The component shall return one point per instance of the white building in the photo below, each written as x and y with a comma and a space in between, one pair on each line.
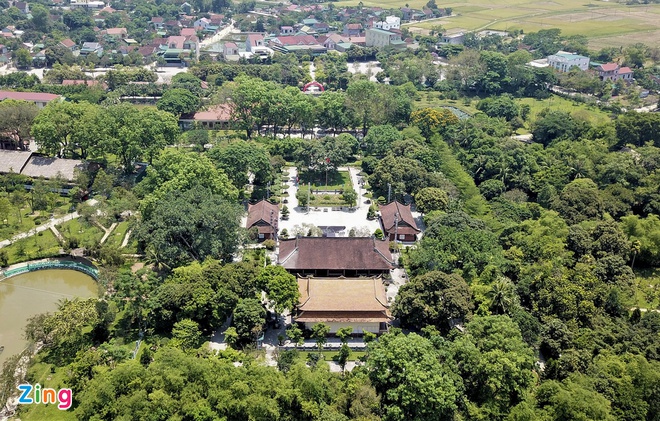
391, 22
564, 61
381, 38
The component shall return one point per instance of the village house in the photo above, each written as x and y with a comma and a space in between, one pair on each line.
286, 30
115, 33
291, 44
335, 256
565, 61
40, 99
158, 22
33, 165
264, 216
253, 41
68, 44
91, 48
230, 49
397, 222
380, 38
352, 29
217, 117
612, 72
359, 303
390, 22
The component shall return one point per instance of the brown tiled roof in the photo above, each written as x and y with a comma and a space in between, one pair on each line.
261, 211
342, 294
388, 212
220, 113
624, 70
350, 253
68, 43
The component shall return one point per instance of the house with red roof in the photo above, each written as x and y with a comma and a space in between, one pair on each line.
39, 98
612, 72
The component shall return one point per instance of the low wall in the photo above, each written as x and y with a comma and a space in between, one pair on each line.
51, 264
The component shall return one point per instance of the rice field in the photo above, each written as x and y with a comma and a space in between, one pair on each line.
605, 23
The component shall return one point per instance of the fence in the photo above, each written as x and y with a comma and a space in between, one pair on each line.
53, 264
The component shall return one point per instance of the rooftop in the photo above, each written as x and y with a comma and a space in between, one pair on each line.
345, 253
391, 210
42, 166
13, 161
342, 294
28, 96
263, 211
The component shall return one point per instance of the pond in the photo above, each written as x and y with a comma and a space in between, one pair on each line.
26, 295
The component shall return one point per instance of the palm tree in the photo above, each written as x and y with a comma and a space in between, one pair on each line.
503, 297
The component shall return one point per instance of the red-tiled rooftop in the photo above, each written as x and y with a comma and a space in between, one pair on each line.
217, 113
28, 96
608, 67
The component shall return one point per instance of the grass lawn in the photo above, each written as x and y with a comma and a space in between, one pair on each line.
576, 109
117, 235
647, 294
336, 181
81, 230
43, 244
431, 99
40, 372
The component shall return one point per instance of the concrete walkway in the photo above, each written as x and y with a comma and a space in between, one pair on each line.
44, 227
39, 228
124, 243
108, 232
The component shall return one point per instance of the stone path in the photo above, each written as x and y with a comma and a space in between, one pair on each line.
46, 226
124, 243
108, 231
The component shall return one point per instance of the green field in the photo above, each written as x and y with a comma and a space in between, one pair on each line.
605, 23
44, 244
578, 110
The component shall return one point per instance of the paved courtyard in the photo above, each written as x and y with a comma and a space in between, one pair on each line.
355, 218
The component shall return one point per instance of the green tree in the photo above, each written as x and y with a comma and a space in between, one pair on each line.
186, 335
343, 356
295, 334
178, 101
16, 117
432, 299
580, 200
190, 225
431, 199
239, 159
344, 334
175, 169
350, 197
249, 317
23, 58
496, 365
379, 139
362, 99
320, 333
281, 287
414, 384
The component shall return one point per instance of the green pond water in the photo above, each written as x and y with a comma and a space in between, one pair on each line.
23, 296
